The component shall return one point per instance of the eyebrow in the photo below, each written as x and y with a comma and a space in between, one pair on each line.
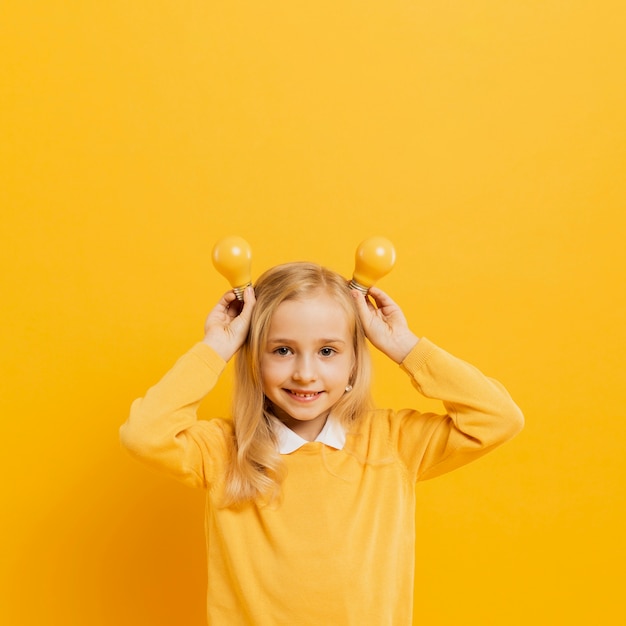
288, 341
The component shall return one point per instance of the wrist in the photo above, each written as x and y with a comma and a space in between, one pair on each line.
404, 347
219, 348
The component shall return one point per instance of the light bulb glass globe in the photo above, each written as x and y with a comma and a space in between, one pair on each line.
232, 258
374, 258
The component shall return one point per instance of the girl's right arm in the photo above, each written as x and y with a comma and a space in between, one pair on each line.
162, 429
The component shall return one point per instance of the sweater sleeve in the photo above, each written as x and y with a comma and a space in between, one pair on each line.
162, 429
479, 414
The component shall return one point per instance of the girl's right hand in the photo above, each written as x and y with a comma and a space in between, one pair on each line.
227, 325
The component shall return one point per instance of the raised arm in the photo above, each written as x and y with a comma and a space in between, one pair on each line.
162, 429
479, 413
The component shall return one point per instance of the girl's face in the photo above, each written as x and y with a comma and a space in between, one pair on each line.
307, 361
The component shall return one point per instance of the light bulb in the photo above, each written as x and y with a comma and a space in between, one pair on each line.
232, 258
374, 258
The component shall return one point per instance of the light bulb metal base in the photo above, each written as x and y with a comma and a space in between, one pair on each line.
239, 291
362, 288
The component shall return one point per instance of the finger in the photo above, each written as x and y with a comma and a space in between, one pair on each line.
244, 309
249, 300
364, 307
381, 298
227, 299
248, 295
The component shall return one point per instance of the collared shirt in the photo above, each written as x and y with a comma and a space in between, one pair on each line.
333, 434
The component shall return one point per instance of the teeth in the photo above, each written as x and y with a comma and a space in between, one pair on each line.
304, 395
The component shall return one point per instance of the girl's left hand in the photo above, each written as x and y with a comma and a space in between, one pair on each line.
385, 325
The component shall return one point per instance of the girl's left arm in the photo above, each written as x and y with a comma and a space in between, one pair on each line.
480, 414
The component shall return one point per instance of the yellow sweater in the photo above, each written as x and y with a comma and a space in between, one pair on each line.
339, 549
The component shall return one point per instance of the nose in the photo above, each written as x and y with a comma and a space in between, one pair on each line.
304, 370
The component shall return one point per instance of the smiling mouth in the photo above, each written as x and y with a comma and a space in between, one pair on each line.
303, 395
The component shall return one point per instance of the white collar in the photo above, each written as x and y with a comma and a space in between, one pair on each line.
333, 434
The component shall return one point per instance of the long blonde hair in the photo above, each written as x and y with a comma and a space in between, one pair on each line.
256, 469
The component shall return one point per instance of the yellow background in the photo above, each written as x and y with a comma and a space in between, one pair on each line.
485, 138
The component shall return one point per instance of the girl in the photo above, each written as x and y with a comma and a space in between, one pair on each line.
310, 491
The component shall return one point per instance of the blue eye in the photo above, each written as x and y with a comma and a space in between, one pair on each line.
282, 351
327, 352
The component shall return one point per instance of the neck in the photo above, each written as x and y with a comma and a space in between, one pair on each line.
309, 429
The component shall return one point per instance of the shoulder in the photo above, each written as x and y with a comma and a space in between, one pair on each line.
214, 440
214, 432
375, 434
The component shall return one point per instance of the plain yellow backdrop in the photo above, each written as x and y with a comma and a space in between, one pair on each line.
486, 139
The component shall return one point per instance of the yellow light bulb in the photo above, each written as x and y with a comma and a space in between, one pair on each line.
232, 258
374, 258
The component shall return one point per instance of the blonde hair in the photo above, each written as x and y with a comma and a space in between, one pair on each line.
256, 469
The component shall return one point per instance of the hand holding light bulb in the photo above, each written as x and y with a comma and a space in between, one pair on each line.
383, 320
374, 258
232, 258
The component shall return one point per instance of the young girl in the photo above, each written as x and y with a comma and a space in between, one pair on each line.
310, 516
